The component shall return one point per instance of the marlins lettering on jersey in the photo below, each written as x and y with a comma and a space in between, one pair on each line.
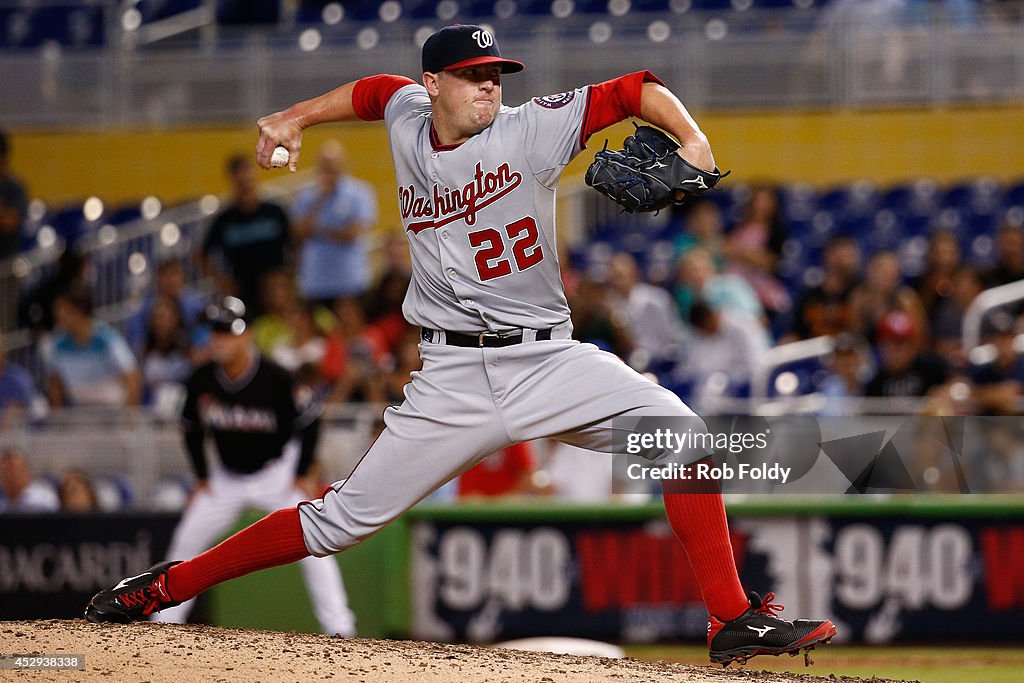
235, 418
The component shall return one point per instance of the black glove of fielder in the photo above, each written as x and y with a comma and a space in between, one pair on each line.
647, 174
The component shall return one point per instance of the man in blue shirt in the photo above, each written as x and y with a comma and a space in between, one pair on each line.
332, 220
89, 362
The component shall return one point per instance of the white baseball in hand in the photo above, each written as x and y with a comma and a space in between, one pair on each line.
279, 158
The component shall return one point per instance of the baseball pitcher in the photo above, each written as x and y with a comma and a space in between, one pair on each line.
476, 190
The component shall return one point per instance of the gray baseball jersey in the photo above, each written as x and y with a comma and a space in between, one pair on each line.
480, 220
480, 217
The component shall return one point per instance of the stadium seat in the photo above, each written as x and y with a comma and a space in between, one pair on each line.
69, 223
1014, 196
650, 5
153, 10
124, 214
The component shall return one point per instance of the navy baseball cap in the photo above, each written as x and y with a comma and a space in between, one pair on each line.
227, 315
462, 45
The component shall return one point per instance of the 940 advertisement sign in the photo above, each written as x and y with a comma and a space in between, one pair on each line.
880, 579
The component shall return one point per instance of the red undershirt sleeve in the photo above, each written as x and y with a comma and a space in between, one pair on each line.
613, 101
371, 95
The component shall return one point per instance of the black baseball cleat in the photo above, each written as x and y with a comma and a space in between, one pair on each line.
759, 632
132, 599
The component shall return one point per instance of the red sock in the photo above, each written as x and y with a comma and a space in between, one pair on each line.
696, 514
274, 540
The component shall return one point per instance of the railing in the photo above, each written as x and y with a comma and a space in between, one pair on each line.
797, 58
974, 318
785, 354
147, 452
123, 257
143, 452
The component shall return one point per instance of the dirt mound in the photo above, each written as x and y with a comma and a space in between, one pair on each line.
164, 652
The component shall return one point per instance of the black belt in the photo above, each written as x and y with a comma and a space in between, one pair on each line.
485, 340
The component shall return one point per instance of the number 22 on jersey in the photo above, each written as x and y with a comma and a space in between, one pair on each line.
491, 261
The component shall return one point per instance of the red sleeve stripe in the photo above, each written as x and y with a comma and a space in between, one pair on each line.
371, 95
584, 129
613, 101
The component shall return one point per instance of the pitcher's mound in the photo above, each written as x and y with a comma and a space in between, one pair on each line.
169, 653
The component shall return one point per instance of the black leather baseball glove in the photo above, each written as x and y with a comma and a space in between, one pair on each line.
647, 174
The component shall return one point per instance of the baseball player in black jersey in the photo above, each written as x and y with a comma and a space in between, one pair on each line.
266, 437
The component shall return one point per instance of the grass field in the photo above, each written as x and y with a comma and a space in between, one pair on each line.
937, 664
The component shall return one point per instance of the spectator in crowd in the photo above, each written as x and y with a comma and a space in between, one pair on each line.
754, 246
935, 284
309, 349
505, 473
74, 270
904, 369
704, 229
13, 206
825, 309
883, 292
170, 282
251, 236
89, 362
648, 312
77, 493
333, 219
594, 321
385, 298
271, 328
722, 343
698, 278
407, 361
22, 492
999, 384
166, 357
849, 367
1009, 265
363, 355
947, 317
18, 394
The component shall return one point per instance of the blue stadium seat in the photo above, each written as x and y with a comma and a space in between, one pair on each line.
885, 231
153, 10
535, 7
794, 263
480, 9
1014, 196
896, 198
69, 223
13, 24
362, 10
22, 28
807, 373
650, 5
597, 6
125, 213
420, 9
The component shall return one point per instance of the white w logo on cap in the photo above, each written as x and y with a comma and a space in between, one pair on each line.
483, 38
